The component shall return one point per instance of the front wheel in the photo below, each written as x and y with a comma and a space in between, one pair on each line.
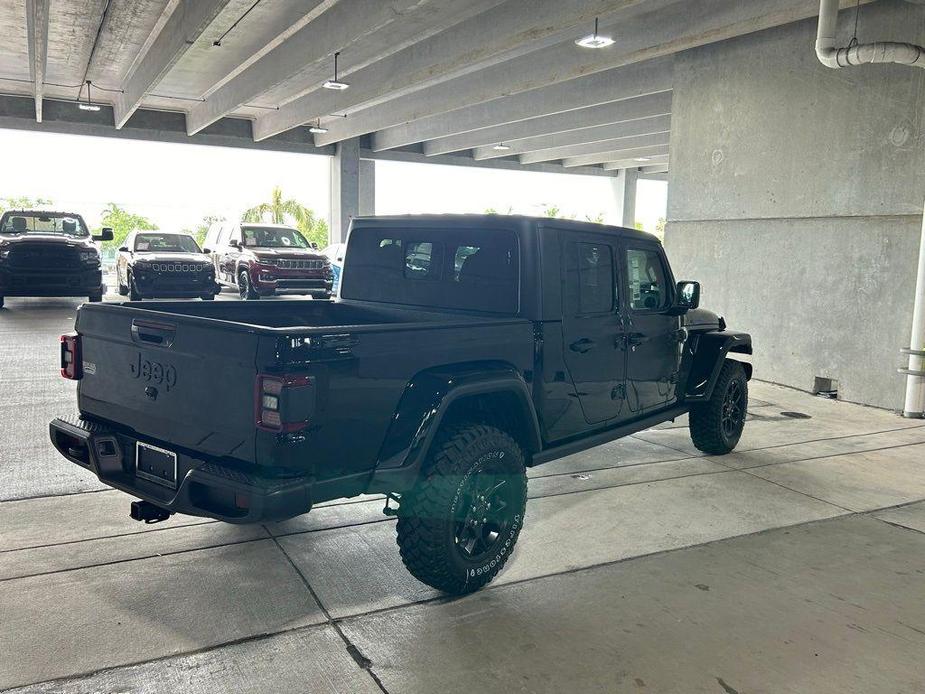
716, 425
95, 298
245, 289
458, 525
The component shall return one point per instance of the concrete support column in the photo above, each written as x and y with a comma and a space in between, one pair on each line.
367, 187
345, 188
624, 190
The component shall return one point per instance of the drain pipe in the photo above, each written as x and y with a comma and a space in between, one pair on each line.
915, 372
905, 54
859, 53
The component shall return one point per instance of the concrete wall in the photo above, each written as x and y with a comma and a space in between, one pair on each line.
796, 195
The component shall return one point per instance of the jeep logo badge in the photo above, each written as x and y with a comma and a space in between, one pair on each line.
153, 372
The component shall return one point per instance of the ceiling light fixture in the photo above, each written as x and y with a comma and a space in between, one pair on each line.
594, 40
501, 147
334, 83
316, 129
88, 105
642, 159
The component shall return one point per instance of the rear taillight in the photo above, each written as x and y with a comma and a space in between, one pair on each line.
70, 357
283, 403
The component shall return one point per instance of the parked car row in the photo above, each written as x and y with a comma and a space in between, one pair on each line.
53, 254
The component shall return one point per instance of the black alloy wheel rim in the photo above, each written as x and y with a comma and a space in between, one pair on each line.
733, 410
485, 516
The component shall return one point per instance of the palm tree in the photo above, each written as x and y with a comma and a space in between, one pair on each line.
287, 211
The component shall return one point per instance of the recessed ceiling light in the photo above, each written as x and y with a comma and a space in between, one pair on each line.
594, 40
501, 147
317, 130
335, 83
642, 159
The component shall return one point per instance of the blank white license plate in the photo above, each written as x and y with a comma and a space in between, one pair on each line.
156, 464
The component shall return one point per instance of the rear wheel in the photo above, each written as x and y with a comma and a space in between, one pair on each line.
245, 289
716, 425
458, 525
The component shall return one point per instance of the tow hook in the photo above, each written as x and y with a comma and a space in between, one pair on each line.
148, 512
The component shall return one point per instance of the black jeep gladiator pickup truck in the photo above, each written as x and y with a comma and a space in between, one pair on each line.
462, 350
49, 254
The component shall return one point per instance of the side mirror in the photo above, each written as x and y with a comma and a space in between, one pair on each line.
206, 251
124, 249
104, 235
688, 297
234, 243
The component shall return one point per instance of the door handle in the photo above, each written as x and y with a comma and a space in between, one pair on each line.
581, 346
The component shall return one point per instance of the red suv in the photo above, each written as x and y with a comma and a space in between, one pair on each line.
267, 259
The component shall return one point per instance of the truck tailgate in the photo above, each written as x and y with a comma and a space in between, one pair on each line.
180, 379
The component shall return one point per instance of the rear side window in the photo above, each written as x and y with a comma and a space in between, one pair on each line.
589, 281
473, 269
645, 274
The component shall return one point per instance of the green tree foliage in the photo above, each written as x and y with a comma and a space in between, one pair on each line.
280, 210
660, 227
123, 223
22, 203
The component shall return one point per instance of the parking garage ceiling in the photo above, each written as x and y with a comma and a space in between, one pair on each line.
493, 81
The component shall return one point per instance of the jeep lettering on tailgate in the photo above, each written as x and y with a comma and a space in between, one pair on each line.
154, 372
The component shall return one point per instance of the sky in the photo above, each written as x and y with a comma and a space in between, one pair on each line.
176, 185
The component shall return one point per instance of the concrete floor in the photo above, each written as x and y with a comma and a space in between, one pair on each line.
795, 564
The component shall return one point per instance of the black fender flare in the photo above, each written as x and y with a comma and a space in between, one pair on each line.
709, 351
424, 404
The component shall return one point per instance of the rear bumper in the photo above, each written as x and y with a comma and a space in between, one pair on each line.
204, 488
64, 283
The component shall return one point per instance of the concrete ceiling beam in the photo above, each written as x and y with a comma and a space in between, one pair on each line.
617, 89
365, 31
625, 144
645, 153
632, 163
37, 29
499, 34
660, 125
610, 113
660, 32
187, 22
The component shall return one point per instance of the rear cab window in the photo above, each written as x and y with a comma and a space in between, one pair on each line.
590, 285
470, 269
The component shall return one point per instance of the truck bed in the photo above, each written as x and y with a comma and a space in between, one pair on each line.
185, 372
298, 315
